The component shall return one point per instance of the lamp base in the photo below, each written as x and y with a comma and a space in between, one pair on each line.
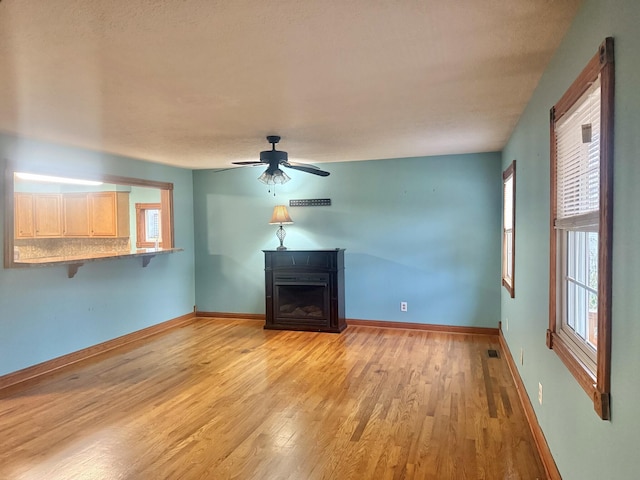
280, 233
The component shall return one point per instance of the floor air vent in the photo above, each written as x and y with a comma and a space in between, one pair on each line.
493, 353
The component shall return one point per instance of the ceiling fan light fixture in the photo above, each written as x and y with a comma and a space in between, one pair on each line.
274, 177
274, 158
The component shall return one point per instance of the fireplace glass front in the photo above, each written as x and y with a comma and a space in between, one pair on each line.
301, 300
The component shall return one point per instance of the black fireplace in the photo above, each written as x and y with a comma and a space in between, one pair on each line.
305, 290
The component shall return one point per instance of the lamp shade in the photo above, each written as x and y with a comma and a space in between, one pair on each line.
280, 216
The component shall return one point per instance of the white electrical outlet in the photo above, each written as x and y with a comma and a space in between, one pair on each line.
403, 306
540, 393
522, 356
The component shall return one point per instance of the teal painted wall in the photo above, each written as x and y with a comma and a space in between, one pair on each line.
406, 225
421, 230
584, 446
44, 314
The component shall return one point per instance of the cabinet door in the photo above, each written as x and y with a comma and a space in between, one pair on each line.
48, 215
122, 214
102, 214
75, 215
24, 215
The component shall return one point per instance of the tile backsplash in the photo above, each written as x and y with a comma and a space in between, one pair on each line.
31, 248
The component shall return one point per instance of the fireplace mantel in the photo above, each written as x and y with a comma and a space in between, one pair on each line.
304, 290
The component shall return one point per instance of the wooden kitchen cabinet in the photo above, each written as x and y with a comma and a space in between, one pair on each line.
75, 214
38, 215
24, 224
48, 214
109, 214
103, 216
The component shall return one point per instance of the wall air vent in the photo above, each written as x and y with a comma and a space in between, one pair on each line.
310, 202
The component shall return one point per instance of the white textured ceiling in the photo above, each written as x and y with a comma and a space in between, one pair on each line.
199, 83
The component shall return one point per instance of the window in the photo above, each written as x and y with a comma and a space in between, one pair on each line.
509, 228
148, 228
581, 227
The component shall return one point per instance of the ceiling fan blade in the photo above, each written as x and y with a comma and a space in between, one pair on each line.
274, 158
254, 162
307, 169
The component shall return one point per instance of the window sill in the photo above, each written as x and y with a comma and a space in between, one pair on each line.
508, 287
581, 373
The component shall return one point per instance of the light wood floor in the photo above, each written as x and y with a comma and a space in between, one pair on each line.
223, 399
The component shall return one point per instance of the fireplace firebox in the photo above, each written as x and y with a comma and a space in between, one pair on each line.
304, 290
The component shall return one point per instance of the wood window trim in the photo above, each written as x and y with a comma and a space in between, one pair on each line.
510, 285
141, 224
597, 386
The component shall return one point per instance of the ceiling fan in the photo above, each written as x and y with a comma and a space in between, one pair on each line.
274, 158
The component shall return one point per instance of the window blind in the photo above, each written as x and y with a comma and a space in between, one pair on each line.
578, 162
152, 223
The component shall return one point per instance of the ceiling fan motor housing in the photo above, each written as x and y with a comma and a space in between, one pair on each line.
274, 158
271, 156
